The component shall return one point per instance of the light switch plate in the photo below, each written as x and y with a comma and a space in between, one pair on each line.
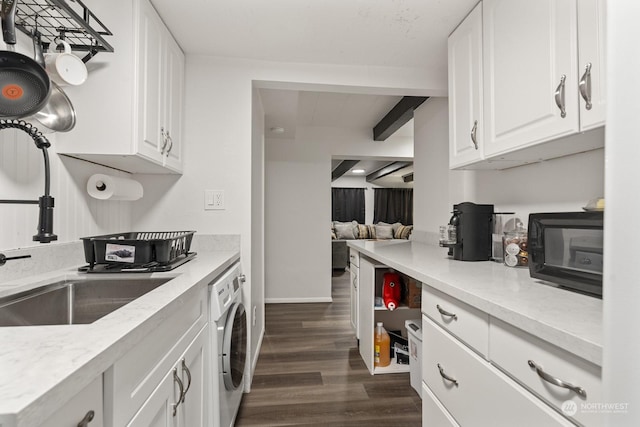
213, 200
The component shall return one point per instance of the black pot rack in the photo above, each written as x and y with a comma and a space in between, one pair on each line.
70, 20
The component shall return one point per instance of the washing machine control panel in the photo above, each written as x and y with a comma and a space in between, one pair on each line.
223, 290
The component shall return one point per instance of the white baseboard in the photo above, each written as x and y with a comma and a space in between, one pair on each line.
296, 300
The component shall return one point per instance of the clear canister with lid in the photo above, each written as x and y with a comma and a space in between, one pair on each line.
514, 243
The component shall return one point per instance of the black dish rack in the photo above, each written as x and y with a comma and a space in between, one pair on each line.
137, 248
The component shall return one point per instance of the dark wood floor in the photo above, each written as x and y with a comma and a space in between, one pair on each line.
309, 372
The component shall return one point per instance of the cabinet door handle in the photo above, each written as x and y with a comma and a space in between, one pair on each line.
186, 369
585, 86
447, 377
164, 140
560, 97
556, 381
474, 131
170, 142
87, 419
177, 379
446, 313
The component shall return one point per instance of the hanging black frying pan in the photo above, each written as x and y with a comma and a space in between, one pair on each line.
24, 84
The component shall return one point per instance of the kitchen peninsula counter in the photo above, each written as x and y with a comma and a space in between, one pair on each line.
43, 366
566, 319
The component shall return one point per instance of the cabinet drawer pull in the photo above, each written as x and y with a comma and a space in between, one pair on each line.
585, 86
446, 313
177, 379
474, 132
186, 369
555, 381
447, 377
87, 419
560, 97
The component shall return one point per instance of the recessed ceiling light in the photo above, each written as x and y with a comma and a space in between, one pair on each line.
277, 130
357, 171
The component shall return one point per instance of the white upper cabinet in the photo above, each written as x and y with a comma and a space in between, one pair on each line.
540, 83
130, 108
160, 82
530, 72
466, 123
592, 60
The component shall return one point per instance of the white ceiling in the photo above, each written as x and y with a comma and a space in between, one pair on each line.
288, 109
399, 33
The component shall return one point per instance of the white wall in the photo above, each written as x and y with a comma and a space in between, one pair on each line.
75, 214
621, 375
255, 301
298, 206
563, 184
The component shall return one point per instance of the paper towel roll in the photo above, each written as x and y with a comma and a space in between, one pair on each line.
107, 187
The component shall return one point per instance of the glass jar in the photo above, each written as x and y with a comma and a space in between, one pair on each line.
514, 243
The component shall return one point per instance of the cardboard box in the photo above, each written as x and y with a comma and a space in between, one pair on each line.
414, 293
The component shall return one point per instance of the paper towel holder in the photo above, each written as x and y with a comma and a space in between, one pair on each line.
117, 188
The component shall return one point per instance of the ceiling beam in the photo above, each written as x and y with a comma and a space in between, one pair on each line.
342, 168
397, 117
390, 168
408, 177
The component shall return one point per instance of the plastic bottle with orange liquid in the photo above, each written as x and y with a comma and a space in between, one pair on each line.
382, 347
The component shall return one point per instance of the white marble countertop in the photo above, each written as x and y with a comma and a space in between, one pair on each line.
43, 366
566, 319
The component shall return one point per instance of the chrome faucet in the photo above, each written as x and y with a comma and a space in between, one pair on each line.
45, 202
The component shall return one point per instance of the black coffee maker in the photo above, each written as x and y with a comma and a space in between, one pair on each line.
473, 227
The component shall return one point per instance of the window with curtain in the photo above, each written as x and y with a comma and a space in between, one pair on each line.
347, 204
392, 205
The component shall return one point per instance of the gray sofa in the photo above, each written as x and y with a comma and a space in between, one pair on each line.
341, 232
339, 254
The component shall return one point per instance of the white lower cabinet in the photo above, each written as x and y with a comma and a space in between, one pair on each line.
140, 387
467, 323
473, 391
178, 401
85, 406
433, 413
566, 382
354, 312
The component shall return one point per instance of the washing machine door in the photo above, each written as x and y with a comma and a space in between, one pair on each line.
234, 347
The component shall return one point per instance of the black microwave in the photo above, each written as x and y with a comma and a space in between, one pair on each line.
565, 248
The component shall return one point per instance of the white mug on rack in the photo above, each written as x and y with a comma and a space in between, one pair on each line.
64, 67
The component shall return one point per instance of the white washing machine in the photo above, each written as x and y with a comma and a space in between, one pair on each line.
228, 326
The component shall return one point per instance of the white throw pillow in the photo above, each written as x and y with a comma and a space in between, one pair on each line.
384, 231
344, 231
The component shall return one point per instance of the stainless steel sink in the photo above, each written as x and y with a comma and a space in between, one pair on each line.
71, 302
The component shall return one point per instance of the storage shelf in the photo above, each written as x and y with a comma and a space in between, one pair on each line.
393, 368
402, 307
71, 21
